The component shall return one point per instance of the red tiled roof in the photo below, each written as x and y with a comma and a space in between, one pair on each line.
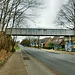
49, 40
58, 40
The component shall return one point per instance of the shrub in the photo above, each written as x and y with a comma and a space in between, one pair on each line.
56, 49
4, 56
16, 48
63, 49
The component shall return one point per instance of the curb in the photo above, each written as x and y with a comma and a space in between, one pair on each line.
24, 63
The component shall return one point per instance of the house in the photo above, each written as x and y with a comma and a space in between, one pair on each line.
44, 42
49, 40
59, 43
34, 43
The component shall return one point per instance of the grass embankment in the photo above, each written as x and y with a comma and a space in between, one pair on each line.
4, 56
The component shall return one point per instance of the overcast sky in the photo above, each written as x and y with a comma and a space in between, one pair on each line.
48, 15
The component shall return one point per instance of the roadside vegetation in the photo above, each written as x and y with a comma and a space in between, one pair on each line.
4, 57
6, 48
16, 47
13, 13
26, 42
50, 45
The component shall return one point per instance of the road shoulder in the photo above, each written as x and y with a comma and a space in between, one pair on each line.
60, 52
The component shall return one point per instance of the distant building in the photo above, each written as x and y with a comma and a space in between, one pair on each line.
44, 42
59, 43
49, 40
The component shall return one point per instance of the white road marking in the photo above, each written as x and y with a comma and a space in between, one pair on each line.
71, 61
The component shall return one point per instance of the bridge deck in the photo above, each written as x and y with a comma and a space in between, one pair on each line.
40, 32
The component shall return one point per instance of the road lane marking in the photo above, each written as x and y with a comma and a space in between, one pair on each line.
71, 61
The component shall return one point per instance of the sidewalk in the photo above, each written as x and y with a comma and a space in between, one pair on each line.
14, 65
60, 52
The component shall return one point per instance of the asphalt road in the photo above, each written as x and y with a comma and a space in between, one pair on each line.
61, 64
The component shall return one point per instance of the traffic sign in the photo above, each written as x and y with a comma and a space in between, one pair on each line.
69, 43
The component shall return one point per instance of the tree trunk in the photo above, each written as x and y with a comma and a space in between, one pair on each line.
5, 15
14, 19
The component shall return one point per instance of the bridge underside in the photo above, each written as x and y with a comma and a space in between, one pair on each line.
39, 35
40, 32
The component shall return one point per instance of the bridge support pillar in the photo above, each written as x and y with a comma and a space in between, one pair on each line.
38, 42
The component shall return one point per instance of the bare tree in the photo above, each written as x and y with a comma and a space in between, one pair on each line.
5, 13
66, 16
26, 7
27, 12
12, 10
